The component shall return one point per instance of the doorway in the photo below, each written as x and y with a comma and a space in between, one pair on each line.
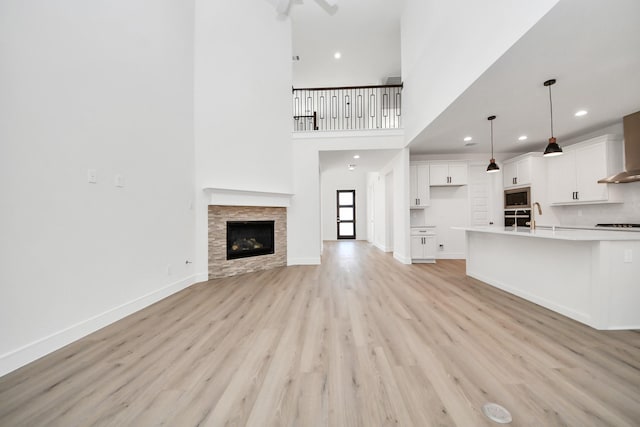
346, 214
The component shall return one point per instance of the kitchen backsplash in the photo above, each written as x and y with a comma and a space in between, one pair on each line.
617, 213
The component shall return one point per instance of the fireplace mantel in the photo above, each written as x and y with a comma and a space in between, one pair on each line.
232, 197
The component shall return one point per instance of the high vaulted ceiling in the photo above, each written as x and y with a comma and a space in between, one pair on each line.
592, 48
365, 32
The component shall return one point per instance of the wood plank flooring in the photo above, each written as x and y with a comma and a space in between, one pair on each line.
359, 341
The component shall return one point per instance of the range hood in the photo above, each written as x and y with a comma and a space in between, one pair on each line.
631, 171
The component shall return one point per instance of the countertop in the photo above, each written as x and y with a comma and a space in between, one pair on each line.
558, 233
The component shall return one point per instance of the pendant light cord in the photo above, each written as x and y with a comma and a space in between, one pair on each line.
551, 110
491, 122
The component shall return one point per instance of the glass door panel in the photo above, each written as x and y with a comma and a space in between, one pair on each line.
346, 214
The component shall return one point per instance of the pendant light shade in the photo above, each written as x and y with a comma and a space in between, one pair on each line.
493, 167
553, 149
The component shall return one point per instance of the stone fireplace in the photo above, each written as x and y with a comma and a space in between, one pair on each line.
248, 242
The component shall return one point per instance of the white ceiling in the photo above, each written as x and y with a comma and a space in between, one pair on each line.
592, 48
369, 161
365, 32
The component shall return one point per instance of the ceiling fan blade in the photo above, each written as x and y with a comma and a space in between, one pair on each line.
329, 6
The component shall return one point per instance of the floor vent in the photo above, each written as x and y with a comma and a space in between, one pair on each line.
496, 413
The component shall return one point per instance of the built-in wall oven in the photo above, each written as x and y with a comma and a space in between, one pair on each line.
517, 207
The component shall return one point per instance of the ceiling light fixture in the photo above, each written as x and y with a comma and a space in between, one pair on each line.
553, 149
522, 138
351, 166
467, 138
581, 113
357, 156
337, 55
493, 167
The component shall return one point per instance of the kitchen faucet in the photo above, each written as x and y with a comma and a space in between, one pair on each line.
532, 223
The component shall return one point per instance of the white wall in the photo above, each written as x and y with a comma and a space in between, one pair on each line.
91, 85
447, 45
242, 103
396, 215
303, 217
377, 183
343, 179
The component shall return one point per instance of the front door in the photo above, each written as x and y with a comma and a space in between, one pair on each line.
346, 218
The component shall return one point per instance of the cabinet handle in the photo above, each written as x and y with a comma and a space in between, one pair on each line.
577, 197
418, 201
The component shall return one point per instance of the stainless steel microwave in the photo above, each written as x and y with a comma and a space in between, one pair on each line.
517, 198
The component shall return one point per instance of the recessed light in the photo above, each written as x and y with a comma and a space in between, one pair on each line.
357, 156
581, 113
467, 138
337, 55
351, 167
522, 138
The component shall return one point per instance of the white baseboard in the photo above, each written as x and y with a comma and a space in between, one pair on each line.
28, 353
403, 259
382, 247
304, 261
450, 255
201, 277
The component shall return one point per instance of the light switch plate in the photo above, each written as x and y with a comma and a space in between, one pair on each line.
119, 181
628, 255
92, 176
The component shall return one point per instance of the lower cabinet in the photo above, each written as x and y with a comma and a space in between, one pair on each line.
423, 245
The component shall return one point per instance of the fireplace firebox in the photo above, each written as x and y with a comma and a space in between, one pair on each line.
249, 238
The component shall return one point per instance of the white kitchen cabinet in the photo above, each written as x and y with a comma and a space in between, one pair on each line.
419, 185
573, 176
448, 174
423, 245
517, 172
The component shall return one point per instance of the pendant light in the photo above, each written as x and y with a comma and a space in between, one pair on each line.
553, 149
493, 167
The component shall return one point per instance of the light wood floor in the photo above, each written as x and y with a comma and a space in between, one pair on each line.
359, 341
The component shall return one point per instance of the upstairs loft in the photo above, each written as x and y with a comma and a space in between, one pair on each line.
347, 108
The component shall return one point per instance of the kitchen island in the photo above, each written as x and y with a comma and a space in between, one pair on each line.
591, 276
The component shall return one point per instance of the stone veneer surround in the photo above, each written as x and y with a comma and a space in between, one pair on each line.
219, 266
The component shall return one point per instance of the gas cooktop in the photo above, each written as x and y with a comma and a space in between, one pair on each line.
619, 225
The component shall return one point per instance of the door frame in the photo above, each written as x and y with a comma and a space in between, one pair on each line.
338, 220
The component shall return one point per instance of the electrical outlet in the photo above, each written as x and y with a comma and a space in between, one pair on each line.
92, 176
628, 255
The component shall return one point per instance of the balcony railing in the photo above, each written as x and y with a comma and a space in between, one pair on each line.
347, 108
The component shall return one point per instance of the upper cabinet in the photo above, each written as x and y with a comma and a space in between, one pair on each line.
517, 172
443, 174
573, 176
419, 185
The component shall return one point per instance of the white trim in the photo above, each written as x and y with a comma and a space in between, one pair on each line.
201, 277
369, 133
234, 197
303, 261
28, 353
450, 255
402, 259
